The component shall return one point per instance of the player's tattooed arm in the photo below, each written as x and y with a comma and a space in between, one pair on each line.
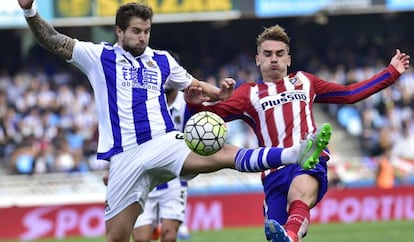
50, 39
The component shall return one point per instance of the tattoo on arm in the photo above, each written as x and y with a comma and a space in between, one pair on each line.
53, 41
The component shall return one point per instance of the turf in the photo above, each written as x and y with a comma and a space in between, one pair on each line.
357, 232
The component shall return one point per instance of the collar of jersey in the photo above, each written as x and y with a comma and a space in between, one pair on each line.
118, 49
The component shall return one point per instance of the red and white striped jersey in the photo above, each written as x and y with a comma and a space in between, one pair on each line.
280, 113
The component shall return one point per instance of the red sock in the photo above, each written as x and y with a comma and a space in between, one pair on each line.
298, 220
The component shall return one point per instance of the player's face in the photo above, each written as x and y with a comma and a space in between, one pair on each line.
136, 37
273, 60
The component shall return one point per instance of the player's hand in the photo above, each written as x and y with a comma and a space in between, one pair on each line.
401, 61
227, 87
25, 4
194, 95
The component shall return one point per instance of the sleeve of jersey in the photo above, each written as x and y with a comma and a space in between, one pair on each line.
85, 55
329, 92
230, 109
179, 78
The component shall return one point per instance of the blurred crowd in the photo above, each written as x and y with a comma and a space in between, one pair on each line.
48, 120
47, 123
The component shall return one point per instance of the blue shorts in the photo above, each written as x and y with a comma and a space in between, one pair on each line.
276, 186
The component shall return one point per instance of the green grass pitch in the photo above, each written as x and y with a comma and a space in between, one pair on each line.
356, 232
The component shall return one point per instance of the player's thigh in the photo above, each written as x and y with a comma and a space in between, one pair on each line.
119, 227
304, 187
166, 156
128, 183
309, 186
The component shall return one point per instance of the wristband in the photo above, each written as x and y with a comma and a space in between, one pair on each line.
28, 13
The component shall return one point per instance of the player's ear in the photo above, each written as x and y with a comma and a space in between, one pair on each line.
257, 60
118, 31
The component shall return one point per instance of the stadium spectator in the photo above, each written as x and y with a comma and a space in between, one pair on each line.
385, 177
23, 158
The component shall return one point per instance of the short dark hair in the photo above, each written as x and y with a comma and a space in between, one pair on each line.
276, 33
129, 10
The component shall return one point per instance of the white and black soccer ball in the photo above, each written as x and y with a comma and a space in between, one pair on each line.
205, 133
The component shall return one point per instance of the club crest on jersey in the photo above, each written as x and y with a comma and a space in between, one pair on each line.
150, 63
295, 81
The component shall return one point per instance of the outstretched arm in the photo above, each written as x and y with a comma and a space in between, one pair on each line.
53, 41
199, 92
328, 92
400, 61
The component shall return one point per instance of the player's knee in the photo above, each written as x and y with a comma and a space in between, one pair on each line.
169, 237
117, 237
141, 240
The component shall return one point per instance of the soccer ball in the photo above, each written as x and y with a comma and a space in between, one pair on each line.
205, 133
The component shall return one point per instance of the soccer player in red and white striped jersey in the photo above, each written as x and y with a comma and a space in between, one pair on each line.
279, 109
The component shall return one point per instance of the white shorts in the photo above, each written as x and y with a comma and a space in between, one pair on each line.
135, 172
165, 203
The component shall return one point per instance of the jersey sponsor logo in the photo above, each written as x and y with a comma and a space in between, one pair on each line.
282, 98
132, 79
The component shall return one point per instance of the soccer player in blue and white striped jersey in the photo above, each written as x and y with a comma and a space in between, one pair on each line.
136, 132
164, 211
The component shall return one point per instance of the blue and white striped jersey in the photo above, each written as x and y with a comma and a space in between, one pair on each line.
129, 93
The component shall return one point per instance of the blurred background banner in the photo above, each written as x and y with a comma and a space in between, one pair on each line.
400, 5
208, 212
101, 12
98, 12
270, 8
278, 8
107, 8
11, 15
